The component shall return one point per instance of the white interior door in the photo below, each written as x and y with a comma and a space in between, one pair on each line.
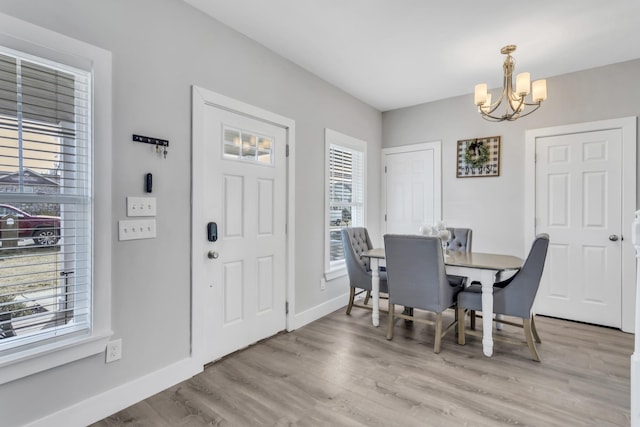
411, 187
578, 203
241, 275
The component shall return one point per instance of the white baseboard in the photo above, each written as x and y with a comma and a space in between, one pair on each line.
635, 390
300, 319
102, 405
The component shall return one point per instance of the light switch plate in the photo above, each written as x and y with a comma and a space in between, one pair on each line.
132, 229
141, 206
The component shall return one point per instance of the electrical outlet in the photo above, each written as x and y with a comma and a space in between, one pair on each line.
114, 351
132, 229
323, 284
141, 206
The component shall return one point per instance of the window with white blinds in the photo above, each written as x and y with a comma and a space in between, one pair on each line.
345, 192
45, 202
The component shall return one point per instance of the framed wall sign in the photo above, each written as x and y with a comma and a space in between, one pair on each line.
478, 157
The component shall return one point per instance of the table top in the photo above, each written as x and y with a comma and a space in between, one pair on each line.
467, 259
483, 260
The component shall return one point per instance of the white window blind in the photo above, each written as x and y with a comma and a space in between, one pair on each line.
45, 202
346, 196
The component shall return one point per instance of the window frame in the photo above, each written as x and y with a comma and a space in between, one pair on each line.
42, 43
335, 269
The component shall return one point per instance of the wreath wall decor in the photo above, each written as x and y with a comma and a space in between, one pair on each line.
478, 157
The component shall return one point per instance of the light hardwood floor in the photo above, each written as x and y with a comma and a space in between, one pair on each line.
341, 371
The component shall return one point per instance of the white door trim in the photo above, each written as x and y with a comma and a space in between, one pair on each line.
629, 140
436, 146
200, 98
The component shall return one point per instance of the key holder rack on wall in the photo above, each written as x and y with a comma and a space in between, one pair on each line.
162, 145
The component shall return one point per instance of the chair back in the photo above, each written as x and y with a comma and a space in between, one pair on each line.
355, 241
460, 239
519, 293
416, 275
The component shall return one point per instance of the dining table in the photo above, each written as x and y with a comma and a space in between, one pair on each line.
476, 266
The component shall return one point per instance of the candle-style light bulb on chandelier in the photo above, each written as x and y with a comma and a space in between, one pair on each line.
515, 104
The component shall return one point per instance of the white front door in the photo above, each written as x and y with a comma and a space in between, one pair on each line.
240, 186
578, 203
411, 187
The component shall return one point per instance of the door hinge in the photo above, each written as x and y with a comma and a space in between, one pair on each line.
385, 169
286, 307
287, 151
385, 217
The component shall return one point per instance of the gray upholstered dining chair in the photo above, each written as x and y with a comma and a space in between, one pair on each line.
512, 297
355, 241
460, 242
460, 239
417, 278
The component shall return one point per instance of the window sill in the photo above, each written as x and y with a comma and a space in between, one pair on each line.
335, 274
29, 362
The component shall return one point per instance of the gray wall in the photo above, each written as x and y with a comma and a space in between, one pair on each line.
160, 48
497, 203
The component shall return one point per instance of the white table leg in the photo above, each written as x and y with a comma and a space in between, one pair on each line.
487, 280
375, 291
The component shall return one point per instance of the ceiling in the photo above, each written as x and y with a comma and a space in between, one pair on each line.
397, 53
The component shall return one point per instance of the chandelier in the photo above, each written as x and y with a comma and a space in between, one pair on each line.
515, 105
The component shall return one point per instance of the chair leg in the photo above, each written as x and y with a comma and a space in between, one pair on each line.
472, 316
438, 340
352, 295
390, 316
534, 331
526, 323
366, 297
460, 312
456, 320
408, 311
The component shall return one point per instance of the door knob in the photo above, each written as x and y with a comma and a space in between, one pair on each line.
213, 255
613, 237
